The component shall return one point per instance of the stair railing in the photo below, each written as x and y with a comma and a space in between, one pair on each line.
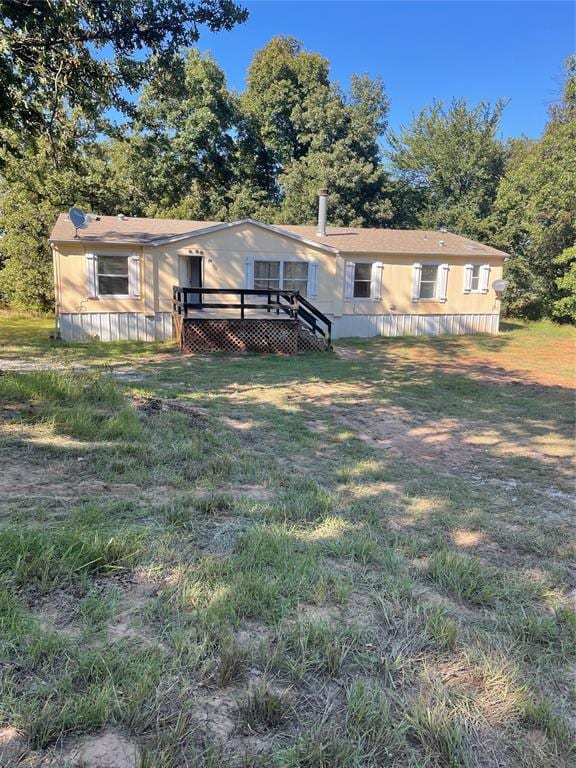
187, 300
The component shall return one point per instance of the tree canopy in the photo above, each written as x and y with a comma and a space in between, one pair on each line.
51, 52
452, 158
192, 148
534, 216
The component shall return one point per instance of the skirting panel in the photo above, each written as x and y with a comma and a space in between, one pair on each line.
199, 335
115, 326
413, 325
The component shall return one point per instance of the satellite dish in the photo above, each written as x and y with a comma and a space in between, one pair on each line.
78, 218
499, 286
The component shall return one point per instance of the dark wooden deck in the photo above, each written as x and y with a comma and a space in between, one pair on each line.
260, 320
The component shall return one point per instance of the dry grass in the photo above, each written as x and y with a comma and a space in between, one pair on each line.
355, 561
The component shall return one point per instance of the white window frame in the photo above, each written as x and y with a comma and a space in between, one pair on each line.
369, 281
376, 272
436, 282
441, 282
113, 295
284, 260
134, 264
477, 266
483, 277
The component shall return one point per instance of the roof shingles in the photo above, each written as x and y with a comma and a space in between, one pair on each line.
129, 230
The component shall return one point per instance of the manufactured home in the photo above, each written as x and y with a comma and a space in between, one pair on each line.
245, 284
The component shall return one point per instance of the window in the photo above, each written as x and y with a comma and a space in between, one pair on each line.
283, 275
362, 281
295, 276
113, 276
267, 274
428, 281
475, 279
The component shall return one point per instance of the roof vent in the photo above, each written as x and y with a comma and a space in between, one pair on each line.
441, 242
442, 229
121, 216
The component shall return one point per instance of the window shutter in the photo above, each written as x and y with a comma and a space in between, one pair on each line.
443, 281
416, 275
468, 278
376, 281
350, 267
249, 272
484, 277
91, 277
134, 275
312, 288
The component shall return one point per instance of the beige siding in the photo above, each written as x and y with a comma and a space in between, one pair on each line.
224, 254
397, 288
72, 282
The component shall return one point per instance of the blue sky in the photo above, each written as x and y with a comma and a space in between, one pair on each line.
423, 50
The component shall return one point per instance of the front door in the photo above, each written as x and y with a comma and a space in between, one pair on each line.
194, 277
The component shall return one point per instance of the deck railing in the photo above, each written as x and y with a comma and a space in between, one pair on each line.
187, 302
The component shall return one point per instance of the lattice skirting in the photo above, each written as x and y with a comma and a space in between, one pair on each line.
413, 325
115, 326
308, 342
249, 335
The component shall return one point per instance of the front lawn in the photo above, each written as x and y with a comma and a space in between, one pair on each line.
358, 559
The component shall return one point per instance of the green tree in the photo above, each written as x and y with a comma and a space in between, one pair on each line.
45, 179
180, 154
53, 54
282, 78
534, 216
313, 135
564, 306
342, 135
453, 161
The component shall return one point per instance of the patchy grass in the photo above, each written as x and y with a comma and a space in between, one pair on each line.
265, 708
321, 561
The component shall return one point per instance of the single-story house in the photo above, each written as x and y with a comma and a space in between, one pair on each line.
117, 278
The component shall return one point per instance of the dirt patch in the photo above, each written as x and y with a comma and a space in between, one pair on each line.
348, 353
328, 614
12, 746
256, 492
238, 424
452, 443
106, 750
32, 475
127, 623
57, 613
216, 715
360, 610
36, 479
432, 596
252, 634
464, 538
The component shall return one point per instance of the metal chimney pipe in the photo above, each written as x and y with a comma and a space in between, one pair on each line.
322, 212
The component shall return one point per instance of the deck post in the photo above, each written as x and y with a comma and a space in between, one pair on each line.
187, 303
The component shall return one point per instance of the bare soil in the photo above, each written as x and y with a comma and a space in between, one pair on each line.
108, 749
